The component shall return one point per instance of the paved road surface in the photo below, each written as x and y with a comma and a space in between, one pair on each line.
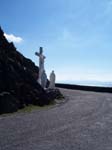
84, 122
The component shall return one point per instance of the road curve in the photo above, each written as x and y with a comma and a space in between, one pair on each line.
84, 122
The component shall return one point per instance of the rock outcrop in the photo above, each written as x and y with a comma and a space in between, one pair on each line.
18, 75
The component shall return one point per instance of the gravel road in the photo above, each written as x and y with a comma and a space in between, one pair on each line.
84, 122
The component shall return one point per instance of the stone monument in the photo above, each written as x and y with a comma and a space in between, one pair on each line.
41, 79
52, 80
44, 79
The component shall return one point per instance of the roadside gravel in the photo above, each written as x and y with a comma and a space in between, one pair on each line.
82, 122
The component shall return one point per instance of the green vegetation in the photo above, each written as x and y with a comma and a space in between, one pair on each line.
31, 108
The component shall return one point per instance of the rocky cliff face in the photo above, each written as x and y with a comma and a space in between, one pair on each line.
18, 75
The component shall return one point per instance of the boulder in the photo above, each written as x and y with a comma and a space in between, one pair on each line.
54, 94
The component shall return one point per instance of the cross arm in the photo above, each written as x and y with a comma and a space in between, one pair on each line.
37, 54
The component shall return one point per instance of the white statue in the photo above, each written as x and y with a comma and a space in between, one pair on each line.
41, 64
52, 80
44, 79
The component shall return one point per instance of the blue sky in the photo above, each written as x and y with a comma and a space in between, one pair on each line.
76, 35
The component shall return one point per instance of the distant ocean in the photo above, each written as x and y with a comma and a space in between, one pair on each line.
89, 83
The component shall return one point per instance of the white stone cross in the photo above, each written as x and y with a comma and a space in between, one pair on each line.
41, 64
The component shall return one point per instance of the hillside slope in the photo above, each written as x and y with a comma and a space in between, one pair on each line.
18, 75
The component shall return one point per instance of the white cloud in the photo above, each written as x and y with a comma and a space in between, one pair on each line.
13, 38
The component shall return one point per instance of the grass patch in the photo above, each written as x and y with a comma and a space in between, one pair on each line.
31, 108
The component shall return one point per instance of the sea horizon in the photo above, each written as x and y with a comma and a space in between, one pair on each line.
88, 83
